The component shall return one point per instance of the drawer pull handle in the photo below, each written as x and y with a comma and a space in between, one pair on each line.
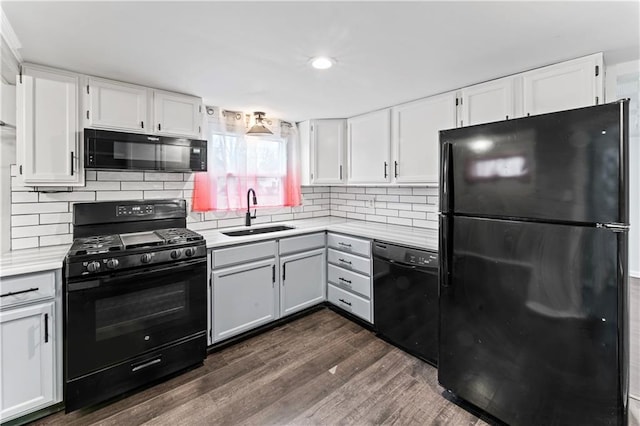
345, 261
344, 280
19, 292
344, 301
340, 243
146, 364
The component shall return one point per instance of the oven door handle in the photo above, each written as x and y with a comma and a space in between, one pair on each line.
98, 281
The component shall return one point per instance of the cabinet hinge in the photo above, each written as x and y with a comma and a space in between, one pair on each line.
597, 70
87, 89
87, 114
597, 100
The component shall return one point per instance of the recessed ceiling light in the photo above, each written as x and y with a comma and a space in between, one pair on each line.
322, 62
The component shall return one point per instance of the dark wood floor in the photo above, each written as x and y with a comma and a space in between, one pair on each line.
321, 369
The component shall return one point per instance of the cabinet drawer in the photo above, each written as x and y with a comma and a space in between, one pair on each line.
302, 243
244, 253
349, 302
27, 288
349, 244
349, 280
349, 261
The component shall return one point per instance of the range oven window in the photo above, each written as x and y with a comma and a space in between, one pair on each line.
131, 312
113, 318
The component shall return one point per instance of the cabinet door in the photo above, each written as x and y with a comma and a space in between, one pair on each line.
487, 102
303, 281
176, 114
48, 138
26, 359
328, 141
244, 297
571, 84
115, 105
416, 137
369, 146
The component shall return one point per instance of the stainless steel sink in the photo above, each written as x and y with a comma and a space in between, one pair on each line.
256, 231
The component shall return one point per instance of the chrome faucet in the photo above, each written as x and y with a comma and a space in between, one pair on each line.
248, 217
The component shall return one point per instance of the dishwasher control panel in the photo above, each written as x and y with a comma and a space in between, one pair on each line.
405, 255
421, 258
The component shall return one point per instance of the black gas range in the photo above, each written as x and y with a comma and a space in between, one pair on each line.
135, 298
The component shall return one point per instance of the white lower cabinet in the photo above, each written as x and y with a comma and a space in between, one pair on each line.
303, 280
27, 359
244, 297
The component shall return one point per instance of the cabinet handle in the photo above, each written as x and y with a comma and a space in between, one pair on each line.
395, 168
13, 293
344, 301
46, 328
142, 124
146, 364
340, 171
273, 274
284, 272
71, 163
344, 261
340, 243
385, 170
159, 127
344, 280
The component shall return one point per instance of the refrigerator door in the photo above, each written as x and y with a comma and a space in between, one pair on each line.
564, 167
532, 321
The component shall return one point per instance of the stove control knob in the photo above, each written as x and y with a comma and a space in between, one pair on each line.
145, 258
93, 266
112, 263
176, 253
189, 251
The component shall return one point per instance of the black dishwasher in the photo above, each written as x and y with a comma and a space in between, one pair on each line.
405, 297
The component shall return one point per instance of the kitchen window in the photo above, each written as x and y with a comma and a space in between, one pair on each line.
268, 164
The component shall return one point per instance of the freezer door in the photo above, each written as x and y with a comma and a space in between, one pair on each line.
532, 321
567, 166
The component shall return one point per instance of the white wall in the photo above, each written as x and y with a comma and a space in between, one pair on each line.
623, 81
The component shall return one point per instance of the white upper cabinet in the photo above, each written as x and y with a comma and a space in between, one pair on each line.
487, 102
369, 148
176, 115
49, 141
416, 137
115, 105
328, 145
571, 84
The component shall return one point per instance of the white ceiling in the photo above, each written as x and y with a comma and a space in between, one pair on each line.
254, 55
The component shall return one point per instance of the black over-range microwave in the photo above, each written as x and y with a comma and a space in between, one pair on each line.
107, 150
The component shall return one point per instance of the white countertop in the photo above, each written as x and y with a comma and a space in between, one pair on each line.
46, 258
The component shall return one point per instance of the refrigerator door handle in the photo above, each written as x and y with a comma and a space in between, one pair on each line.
614, 227
446, 235
446, 174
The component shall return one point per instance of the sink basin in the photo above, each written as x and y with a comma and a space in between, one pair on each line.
255, 231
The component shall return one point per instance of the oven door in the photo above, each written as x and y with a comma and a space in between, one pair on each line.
113, 318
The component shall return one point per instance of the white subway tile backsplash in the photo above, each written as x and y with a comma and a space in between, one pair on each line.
412, 214
66, 196
120, 176
387, 212
54, 240
143, 185
425, 224
399, 191
281, 217
356, 216
391, 198
23, 243
118, 195
24, 197
99, 186
355, 190
376, 190
414, 199
31, 208
302, 215
399, 221
46, 218
156, 195
38, 230
159, 176
24, 220
376, 218
226, 223
178, 185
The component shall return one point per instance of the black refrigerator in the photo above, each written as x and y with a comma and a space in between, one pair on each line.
533, 267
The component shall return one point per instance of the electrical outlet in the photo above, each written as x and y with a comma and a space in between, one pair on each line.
369, 202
